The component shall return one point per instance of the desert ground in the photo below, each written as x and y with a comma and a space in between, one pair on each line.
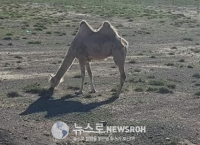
161, 92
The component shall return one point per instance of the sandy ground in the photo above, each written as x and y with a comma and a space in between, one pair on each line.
170, 118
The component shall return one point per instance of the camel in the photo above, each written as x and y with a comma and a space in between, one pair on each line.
90, 44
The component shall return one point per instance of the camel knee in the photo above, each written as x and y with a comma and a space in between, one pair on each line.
83, 74
123, 77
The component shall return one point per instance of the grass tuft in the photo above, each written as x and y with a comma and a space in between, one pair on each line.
34, 42
132, 61
196, 76
33, 88
13, 94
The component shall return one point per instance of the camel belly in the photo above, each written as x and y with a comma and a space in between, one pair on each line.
98, 57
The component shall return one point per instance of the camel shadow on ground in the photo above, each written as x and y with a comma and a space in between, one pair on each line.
64, 105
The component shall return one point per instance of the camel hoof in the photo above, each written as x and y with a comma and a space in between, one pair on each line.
78, 92
92, 91
116, 95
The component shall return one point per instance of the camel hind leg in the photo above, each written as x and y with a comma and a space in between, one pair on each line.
82, 67
119, 56
90, 76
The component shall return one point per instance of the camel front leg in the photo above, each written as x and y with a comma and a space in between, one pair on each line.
119, 59
82, 67
122, 79
90, 76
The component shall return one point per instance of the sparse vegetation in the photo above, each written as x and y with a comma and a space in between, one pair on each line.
174, 47
189, 66
181, 60
48, 32
197, 93
10, 44
152, 56
13, 94
72, 88
18, 57
187, 39
145, 24
196, 76
33, 88
169, 64
132, 61
156, 82
7, 38
195, 50
137, 70
34, 42
171, 53
164, 90
139, 89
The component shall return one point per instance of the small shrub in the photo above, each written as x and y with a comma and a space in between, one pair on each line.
147, 32
171, 53
152, 56
139, 89
72, 88
137, 70
7, 38
174, 47
87, 96
171, 86
34, 89
24, 37
181, 60
187, 39
164, 90
197, 84
34, 42
132, 61
18, 57
195, 50
189, 66
77, 76
19, 68
48, 32
197, 93
68, 25
19, 61
151, 89
140, 54
151, 77
10, 44
13, 94
156, 83
9, 34
169, 64
38, 29
196, 76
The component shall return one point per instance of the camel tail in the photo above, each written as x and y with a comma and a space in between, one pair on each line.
125, 43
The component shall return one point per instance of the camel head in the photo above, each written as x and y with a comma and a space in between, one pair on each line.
54, 82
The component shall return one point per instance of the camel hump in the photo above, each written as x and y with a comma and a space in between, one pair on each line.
106, 24
85, 28
83, 22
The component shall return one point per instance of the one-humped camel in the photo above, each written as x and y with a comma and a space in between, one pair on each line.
90, 44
